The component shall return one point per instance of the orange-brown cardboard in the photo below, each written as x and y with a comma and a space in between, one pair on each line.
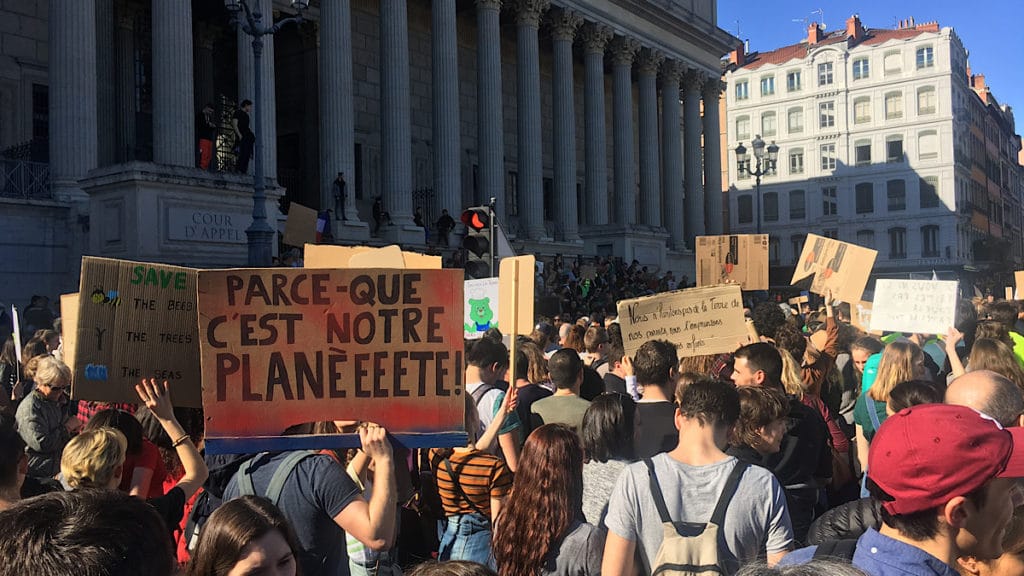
838, 265
737, 258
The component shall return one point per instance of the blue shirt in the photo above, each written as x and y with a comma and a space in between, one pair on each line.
880, 555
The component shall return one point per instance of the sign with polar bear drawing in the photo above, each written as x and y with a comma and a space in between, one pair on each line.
481, 307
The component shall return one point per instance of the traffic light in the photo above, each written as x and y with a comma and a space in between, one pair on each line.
478, 242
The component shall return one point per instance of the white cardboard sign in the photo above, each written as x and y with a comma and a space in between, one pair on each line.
914, 306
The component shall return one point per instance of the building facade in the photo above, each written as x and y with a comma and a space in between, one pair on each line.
583, 120
886, 141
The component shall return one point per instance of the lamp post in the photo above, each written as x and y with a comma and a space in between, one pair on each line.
765, 166
260, 234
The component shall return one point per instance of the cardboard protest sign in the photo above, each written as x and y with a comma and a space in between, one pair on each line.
328, 256
797, 300
482, 311
300, 227
69, 328
18, 342
515, 283
841, 266
1009, 293
386, 257
698, 321
281, 347
860, 315
415, 260
136, 320
739, 258
1018, 281
914, 306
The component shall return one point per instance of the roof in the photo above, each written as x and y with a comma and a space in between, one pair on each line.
871, 37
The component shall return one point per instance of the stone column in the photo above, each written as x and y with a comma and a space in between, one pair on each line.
395, 124
694, 174
204, 91
564, 24
337, 122
73, 103
489, 111
247, 88
672, 152
105, 84
124, 56
595, 38
712, 157
623, 51
174, 137
650, 178
445, 64
528, 136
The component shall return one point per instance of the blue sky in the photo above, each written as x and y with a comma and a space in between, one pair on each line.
993, 35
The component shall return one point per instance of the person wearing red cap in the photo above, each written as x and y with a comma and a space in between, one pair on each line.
943, 475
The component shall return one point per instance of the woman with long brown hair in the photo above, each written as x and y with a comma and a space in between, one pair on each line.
901, 361
247, 535
542, 531
988, 354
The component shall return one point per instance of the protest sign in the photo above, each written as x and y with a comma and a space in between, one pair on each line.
386, 257
515, 285
841, 266
739, 258
914, 306
415, 260
289, 346
328, 256
300, 227
1009, 293
698, 321
18, 343
69, 328
860, 315
482, 312
1018, 281
136, 320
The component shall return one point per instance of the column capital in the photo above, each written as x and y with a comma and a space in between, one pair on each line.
693, 80
672, 71
595, 37
488, 5
624, 50
713, 88
528, 12
564, 24
648, 60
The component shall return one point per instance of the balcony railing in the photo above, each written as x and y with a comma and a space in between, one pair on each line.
24, 179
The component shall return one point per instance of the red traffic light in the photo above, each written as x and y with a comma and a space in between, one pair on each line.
476, 218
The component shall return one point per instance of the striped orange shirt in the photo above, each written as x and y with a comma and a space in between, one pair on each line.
482, 476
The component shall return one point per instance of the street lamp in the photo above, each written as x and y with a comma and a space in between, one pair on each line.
259, 234
765, 166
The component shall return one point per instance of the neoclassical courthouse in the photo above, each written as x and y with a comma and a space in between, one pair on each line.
594, 124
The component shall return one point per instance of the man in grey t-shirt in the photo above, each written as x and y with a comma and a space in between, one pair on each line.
692, 477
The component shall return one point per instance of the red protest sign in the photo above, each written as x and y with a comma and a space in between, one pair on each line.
281, 347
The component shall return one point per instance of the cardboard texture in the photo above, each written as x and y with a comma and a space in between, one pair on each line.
914, 306
739, 258
69, 328
328, 256
1018, 280
417, 261
799, 300
286, 346
136, 320
300, 227
860, 315
506, 288
698, 321
482, 311
386, 257
1009, 293
841, 266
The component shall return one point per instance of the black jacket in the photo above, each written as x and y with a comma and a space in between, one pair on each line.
846, 522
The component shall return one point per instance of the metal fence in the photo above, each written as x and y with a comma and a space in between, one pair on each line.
24, 179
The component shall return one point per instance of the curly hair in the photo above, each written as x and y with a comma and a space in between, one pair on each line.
759, 407
545, 502
767, 317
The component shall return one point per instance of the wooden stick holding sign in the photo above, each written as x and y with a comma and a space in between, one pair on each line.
515, 285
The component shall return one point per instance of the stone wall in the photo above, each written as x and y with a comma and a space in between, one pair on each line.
23, 60
35, 245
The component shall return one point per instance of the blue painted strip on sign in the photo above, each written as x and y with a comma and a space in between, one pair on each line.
233, 445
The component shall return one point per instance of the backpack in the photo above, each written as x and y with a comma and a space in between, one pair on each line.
841, 550
681, 555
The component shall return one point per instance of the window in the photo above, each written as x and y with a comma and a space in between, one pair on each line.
897, 243
767, 85
862, 152
828, 201
860, 68
862, 110
866, 238
771, 207
930, 241
742, 90
892, 62
894, 149
797, 242
928, 145
865, 193
773, 250
743, 127
745, 209
896, 192
797, 205
828, 156
925, 57
795, 120
826, 114
40, 111
824, 73
929, 192
796, 161
893, 105
926, 100
793, 81
768, 124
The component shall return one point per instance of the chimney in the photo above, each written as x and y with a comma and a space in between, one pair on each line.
854, 29
814, 34
738, 56
978, 82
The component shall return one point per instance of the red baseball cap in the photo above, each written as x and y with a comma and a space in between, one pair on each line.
926, 455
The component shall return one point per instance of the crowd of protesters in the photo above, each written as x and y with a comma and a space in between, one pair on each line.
812, 449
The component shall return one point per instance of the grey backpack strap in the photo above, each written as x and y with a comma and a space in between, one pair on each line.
284, 470
245, 485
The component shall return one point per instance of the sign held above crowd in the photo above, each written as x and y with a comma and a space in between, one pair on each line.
914, 306
840, 266
737, 258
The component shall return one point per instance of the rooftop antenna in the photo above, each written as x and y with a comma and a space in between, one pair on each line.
804, 22
821, 17
737, 22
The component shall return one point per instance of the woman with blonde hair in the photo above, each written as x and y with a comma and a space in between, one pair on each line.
42, 423
901, 361
987, 354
